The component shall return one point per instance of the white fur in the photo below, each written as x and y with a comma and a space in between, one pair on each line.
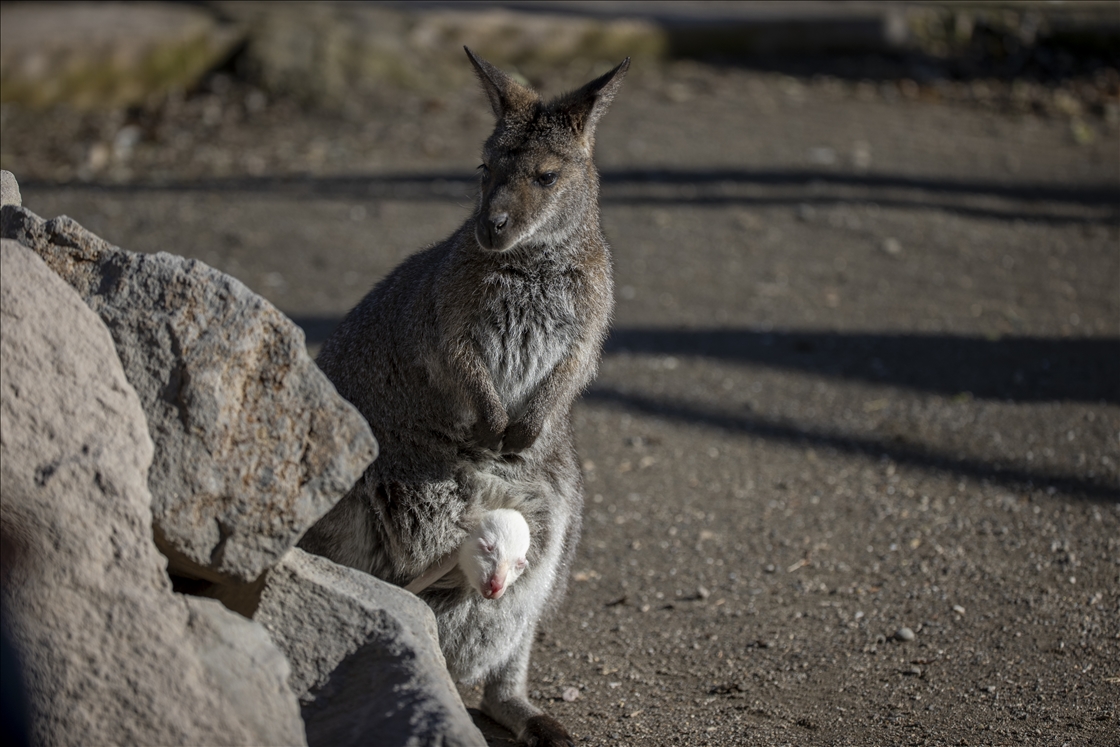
493, 556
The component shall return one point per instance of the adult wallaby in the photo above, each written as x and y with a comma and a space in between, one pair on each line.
466, 360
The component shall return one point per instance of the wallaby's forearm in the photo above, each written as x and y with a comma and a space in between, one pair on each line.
571, 375
469, 372
555, 394
421, 523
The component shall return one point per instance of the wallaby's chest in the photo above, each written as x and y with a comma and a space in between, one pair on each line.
525, 327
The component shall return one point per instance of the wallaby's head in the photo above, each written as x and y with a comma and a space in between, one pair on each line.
538, 182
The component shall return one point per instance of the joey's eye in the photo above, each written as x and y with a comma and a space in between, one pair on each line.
547, 179
487, 547
484, 171
521, 563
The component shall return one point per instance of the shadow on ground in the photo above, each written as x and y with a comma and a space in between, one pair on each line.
496, 735
1016, 369
1020, 369
1047, 203
896, 449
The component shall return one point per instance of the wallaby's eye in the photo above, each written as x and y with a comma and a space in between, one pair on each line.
547, 179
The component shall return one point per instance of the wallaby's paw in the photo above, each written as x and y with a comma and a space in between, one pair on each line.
485, 437
518, 437
545, 731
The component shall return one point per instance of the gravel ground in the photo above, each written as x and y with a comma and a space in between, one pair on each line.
853, 457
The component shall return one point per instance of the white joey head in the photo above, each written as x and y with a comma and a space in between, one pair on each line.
493, 556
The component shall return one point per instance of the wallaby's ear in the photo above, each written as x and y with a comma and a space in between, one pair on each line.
506, 94
586, 105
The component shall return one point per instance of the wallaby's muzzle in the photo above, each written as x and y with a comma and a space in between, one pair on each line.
492, 230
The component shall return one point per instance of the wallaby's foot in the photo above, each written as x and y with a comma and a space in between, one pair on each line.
545, 731
518, 437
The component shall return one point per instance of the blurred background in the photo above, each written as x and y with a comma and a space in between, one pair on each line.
865, 370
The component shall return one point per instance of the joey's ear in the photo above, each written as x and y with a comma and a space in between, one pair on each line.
586, 105
506, 94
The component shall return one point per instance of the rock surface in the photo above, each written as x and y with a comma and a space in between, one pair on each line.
364, 657
106, 54
112, 656
253, 444
334, 53
9, 189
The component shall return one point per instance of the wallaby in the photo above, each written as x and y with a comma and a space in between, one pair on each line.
465, 360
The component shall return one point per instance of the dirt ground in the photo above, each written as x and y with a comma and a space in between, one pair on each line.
853, 456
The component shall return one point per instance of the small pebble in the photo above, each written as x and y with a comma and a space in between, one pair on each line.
904, 634
914, 671
703, 593
570, 694
892, 246
958, 609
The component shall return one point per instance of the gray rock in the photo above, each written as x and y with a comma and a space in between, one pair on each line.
247, 672
252, 442
111, 654
333, 53
9, 195
107, 54
9, 189
364, 655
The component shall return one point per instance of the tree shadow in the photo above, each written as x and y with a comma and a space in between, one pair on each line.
1028, 201
1019, 369
1022, 370
896, 449
1016, 369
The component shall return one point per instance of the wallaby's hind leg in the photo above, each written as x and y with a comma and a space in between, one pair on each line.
505, 700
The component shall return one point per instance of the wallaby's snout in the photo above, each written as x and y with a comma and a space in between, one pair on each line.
512, 203
490, 228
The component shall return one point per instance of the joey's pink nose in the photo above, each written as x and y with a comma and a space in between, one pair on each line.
494, 588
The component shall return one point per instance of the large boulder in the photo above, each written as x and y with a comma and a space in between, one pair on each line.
364, 655
106, 54
112, 655
252, 442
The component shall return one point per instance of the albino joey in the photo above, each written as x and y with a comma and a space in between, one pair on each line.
493, 557
466, 360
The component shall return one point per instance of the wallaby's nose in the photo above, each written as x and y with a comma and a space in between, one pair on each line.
490, 227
